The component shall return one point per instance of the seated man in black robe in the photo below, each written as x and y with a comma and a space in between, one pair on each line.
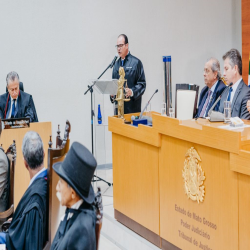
77, 228
28, 226
16, 103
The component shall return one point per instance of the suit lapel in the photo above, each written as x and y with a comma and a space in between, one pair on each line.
202, 102
237, 93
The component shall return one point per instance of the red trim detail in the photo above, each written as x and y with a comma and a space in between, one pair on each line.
6, 106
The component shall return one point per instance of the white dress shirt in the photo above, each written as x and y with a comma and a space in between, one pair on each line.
212, 90
75, 206
11, 106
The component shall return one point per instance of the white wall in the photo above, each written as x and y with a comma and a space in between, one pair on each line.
57, 46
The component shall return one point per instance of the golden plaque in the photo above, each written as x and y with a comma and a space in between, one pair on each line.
193, 176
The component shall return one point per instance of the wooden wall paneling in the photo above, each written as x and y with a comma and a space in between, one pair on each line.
245, 6
136, 181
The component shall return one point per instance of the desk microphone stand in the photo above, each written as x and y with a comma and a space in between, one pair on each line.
90, 88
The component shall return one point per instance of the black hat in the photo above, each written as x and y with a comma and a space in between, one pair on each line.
77, 170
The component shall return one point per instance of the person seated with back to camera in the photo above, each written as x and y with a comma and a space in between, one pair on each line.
77, 228
28, 226
4, 173
15, 103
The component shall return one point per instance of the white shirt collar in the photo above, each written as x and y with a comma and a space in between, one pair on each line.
34, 177
213, 87
13, 99
75, 206
235, 86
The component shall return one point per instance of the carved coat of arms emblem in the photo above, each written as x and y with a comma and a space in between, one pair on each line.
193, 176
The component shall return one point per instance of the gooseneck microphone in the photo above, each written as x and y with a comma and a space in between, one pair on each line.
113, 62
218, 99
147, 104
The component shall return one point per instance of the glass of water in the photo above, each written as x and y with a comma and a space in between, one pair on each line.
227, 111
171, 112
163, 109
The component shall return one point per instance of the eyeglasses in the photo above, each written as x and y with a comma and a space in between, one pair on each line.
119, 45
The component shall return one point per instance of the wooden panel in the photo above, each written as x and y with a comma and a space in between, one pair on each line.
207, 134
220, 205
56, 206
240, 162
244, 214
141, 133
22, 178
245, 7
136, 181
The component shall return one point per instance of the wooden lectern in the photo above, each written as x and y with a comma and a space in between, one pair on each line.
183, 184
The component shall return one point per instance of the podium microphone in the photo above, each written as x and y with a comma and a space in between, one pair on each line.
147, 104
113, 62
218, 99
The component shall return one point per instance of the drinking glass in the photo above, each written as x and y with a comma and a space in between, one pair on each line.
227, 111
171, 112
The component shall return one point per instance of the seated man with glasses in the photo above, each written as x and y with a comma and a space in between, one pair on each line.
16, 103
134, 74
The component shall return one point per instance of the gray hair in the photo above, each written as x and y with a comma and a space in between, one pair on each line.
32, 149
234, 59
215, 66
12, 76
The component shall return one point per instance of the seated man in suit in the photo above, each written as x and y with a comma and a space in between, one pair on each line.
77, 228
16, 103
239, 93
28, 226
214, 88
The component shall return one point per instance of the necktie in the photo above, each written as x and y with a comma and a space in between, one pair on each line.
62, 226
206, 103
13, 108
122, 62
229, 95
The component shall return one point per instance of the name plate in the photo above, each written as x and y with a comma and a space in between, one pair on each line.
15, 123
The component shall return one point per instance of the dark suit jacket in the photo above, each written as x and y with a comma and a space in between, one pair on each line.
239, 103
220, 86
25, 106
134, 73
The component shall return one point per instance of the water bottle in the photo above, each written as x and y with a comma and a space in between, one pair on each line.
99, 117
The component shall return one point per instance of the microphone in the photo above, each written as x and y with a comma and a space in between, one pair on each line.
113, 62
147, 104
218, 99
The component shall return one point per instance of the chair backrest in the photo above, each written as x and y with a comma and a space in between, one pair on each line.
99, 215
12, 151
53, 205
20, 87
186, 97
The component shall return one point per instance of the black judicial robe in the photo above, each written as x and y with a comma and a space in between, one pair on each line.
79, 233
134, 73
28, 226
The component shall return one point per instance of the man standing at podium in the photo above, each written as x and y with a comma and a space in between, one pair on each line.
213, 89
239, 93
16, 103
134, 74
